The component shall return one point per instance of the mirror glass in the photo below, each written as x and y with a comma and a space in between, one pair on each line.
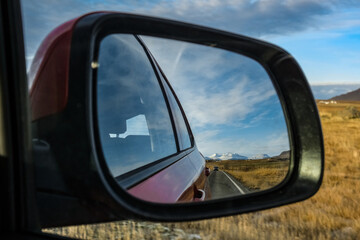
182, 122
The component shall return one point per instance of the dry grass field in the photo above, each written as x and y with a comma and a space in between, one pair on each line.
333, 213
257, 174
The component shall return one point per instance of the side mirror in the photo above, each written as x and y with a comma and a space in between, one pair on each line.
113, 141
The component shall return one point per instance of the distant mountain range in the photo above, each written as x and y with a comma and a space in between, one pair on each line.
226, 156
350, 96
236, 156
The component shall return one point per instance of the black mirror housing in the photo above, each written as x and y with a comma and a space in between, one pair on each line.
88, 189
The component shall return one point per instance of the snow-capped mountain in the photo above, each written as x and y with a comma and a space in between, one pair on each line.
215, 156
260, 156
226, 156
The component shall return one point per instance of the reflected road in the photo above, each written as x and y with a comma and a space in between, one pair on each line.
223, 185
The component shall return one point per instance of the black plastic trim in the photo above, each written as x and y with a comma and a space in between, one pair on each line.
299, 115
79, 154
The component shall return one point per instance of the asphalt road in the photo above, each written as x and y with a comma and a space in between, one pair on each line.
224, 185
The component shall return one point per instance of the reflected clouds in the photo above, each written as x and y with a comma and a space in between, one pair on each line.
130, 104
228, 98
215, 86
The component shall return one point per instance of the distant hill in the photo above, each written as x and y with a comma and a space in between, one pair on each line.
350, 96
283, 155
226, 156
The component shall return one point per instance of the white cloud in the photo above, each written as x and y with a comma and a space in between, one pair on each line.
206, 134
223, 108
213, 85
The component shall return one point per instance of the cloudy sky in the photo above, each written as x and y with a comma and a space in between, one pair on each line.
324, 36
228, 98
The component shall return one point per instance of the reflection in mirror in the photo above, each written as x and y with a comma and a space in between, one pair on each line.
134, 123
228, 106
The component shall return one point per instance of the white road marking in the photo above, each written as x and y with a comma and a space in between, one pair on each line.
240, 190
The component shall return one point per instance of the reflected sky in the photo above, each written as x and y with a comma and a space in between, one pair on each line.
229, 99
133, 120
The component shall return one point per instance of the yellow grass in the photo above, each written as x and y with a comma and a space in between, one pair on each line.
256, 175
333, 213
259, 179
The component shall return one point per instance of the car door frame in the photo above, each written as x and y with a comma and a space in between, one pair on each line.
18, 211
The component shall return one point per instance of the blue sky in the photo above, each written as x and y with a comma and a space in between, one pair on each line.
229, 99
324, 36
